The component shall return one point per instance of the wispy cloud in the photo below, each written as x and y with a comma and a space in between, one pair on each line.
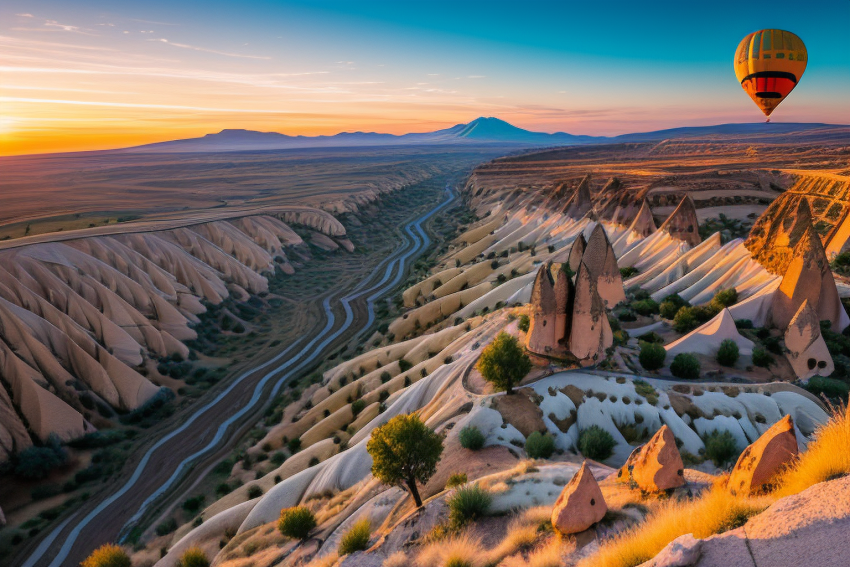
205, 50
64, 27
24, 15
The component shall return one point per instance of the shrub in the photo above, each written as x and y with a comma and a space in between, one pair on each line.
223, 489
504, 362
539, 445
596, 443
193, 557
457, 479
107, 555
829, 387
727, 354
720, 447
645, 307
193, 504
685, 320
652, 356
357, 406
761, 357
724, 298
254, 491
296, 522
685, 366
294, 445
471, 438
356, 538
404, 365
166, 527
385, 377
405, 451
37, 462
628, 272
468, 503
524, 323
651, 337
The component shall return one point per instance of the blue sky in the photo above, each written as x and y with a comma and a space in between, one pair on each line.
326, 66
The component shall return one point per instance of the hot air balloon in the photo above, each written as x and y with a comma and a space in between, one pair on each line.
769, 64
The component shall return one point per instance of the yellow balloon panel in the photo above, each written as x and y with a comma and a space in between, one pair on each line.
769, 64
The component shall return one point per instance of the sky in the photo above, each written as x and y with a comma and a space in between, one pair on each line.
90, 74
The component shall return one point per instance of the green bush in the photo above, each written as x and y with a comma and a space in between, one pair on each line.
761, 357
166, 527
724, 298
193, 557
468, 503
539, 445
254, 491
404, 365
107, 555
652, 356
596, 443
504, 363
651, 337
671, 304
471, 438
294, 445
193, 504
385, 377
296, 522
457, 479
685, 366
524, 323
720, 447
356, 538
685, 320
357, 406
727, 354
829, 387
645, 307
628, 272
37, 462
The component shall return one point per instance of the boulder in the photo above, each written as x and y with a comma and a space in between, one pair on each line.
760, 462
655, 466
684, 551
682, 224
807, 351
808, 278
580, 504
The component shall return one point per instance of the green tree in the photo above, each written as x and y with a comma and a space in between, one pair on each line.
405, 451
504, 363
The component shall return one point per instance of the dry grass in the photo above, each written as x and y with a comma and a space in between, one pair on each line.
459, 551
541, 516
551, 554
397, 559
828, 456
328, 560
521, 536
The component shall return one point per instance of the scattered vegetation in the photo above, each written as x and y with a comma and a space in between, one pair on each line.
539, 445
761, 357
504, 363
296, 522
671, 305
107, 555
471, 438
727, 354
524, 323
356, 538
37, 462
685, 366
720, 447
652, 356
628, 272
596, 443
457, 479
193, 557
405, 451
468, 503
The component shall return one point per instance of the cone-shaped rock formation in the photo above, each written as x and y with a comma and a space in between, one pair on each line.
602, 263
682, 223
808, 278
580, 504
655, 466
542, 331
576, 252
581, 201
762, 460
807, 351
591, 333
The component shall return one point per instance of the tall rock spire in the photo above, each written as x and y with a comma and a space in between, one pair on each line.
590, 332
581, 201
682, 223
541, 332
576, 252
602, 263
564, 298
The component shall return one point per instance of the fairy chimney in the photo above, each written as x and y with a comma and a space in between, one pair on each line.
682, 223
581, 202
541, 331
600, 259
564, 296
644, 223
590, 332
807, 351
576, 252
808, 278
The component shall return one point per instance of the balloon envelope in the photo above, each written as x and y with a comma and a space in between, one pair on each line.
769, 64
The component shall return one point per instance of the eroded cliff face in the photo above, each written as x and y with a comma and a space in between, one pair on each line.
825, 198
79, 319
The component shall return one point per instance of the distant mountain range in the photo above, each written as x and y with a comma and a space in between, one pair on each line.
479, 131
